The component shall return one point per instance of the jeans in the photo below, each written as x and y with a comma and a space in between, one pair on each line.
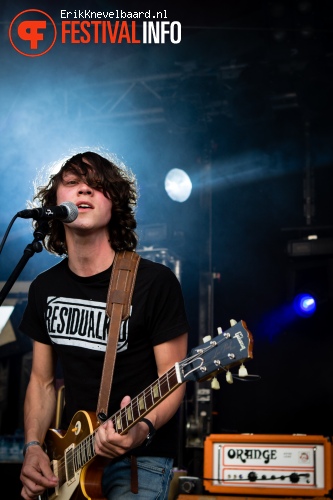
154, 477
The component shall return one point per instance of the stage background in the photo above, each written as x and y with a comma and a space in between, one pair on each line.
244, 105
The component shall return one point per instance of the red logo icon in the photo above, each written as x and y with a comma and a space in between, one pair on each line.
32, 33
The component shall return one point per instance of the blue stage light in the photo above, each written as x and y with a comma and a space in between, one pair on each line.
304, 304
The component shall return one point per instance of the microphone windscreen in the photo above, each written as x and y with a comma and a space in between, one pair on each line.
73, 211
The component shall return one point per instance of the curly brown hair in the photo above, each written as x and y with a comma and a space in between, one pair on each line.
116, 183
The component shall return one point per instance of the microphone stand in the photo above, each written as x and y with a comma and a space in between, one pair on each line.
34, 247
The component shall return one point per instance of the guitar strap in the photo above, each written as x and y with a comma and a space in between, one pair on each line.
118, 308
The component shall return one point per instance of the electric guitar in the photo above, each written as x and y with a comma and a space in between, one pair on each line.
72, 454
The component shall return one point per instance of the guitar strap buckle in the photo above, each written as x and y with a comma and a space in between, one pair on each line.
102, 417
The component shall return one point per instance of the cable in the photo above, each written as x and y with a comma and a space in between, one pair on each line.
7, 232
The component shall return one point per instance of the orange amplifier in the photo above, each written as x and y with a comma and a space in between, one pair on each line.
264, 464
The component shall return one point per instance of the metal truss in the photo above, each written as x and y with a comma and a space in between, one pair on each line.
150, 99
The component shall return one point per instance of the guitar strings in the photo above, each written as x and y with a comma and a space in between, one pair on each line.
75, 455
84, 450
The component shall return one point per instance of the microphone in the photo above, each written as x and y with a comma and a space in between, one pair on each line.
66, 211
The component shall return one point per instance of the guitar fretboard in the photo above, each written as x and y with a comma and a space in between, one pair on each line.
125, 418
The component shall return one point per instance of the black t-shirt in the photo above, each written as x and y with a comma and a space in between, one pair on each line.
68, 312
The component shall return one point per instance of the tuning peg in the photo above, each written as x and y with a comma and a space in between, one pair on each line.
233, 322
219, 331
215, 384
229, 377
207, 338
242, 372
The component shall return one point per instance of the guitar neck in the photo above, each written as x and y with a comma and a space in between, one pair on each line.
144, 402
127, 417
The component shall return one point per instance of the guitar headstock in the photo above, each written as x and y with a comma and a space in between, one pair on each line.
229, 348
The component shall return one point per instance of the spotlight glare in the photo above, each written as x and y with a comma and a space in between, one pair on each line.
304, 304
178, 185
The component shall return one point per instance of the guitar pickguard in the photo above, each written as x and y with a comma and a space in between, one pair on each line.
60, 449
